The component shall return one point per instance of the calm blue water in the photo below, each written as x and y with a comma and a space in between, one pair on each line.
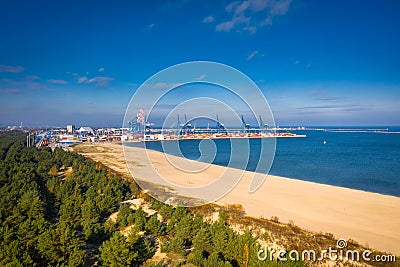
366, 161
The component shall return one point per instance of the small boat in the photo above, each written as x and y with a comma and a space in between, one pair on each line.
324, 142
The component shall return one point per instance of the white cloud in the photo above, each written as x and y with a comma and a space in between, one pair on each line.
151, 26
57, 81
249, 15
161, 85
101, 69
165, 85
208, 19
11, 69
201, 77
98, 81
28, 82
133, 84
259, 5
250, 29
82, 79
252, 55
266, 21
242, 7
231, 6
227, 26
280, 7
11, 91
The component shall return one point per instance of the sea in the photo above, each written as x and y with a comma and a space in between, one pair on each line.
362, 158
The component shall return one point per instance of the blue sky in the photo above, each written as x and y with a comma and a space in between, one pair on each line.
317, 62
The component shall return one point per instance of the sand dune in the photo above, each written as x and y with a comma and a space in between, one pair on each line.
369, 218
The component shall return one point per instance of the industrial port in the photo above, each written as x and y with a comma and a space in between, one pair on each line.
140, 130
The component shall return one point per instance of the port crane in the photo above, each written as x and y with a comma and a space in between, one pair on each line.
245, 126
188, 126
263, 126
138, 124
220, 126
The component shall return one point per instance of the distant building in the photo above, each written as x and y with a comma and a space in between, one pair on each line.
70, 128
85, 130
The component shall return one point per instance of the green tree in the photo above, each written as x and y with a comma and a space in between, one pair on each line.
14, 254
220, 236
198, 222
70, 209
117, 252
53, 171
184, 229
176, 244
124, 216
215, 260
122, 251
29, 230
106, 204
109, 226
134, 189
179, 213
155, 227
92, 231
202, 242
166, 211
140, 219
90, 212
60, 245
30, 204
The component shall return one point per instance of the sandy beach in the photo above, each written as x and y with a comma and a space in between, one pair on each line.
370, 219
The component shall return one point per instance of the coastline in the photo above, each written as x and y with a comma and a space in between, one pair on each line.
371, 219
